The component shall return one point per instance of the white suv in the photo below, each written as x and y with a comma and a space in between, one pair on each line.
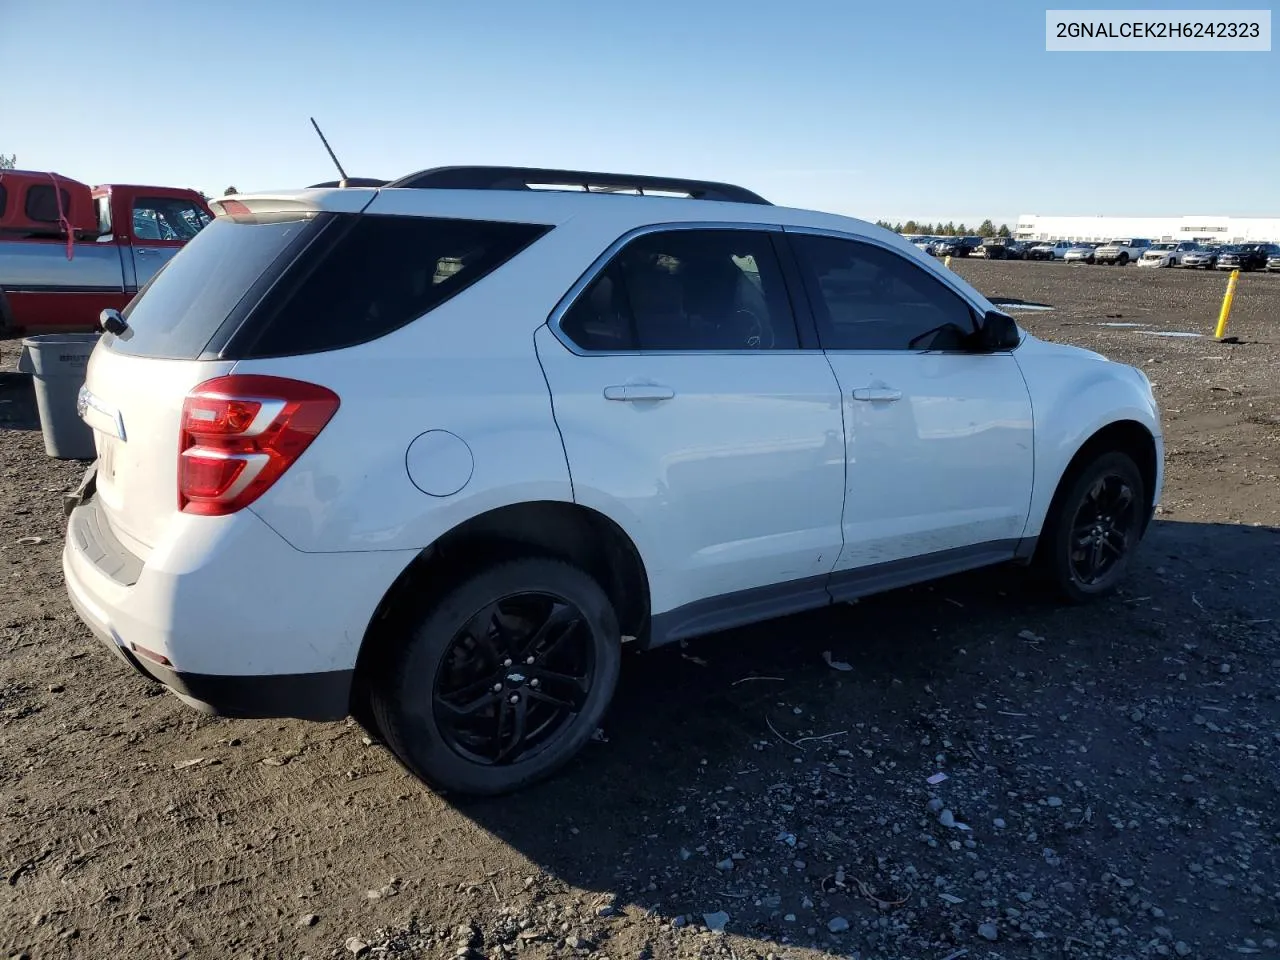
434, 452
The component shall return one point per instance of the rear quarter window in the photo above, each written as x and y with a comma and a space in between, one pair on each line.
375, 275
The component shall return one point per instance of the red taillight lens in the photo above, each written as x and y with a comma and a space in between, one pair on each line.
240, 433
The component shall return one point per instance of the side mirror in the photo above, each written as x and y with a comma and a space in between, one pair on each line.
998, 332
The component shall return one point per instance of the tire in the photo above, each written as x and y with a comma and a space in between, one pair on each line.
1122, 260
441, 660
1061, 560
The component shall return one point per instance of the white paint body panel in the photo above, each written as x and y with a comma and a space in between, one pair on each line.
227, 596
735, 482
1074, 394
948, 465
138, 475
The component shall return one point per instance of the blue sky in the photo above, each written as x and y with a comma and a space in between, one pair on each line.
925, 108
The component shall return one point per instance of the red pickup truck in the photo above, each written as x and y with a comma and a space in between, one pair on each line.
67, 251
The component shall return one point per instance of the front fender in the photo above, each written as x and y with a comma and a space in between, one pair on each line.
1075, 394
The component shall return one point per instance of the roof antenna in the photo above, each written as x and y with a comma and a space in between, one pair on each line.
342, 182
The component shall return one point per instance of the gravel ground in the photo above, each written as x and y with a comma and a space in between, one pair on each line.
1110, 791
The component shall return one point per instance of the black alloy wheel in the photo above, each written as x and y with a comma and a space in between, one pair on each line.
1103, 529
513, 679
1095, 522
502, 678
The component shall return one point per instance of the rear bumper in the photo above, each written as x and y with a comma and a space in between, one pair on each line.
228, 615
304, 696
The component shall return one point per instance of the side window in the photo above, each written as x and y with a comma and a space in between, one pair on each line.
4, 199
707, 290
42, 204
869, 298
167, 218
380, 274
102, 206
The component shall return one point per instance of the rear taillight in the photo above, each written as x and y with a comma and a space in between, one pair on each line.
240, 433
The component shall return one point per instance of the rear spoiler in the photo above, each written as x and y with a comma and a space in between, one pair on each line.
350, 200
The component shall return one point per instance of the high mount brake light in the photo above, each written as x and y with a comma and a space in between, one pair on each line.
240, 433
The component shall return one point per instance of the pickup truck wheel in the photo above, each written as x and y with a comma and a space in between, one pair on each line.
1122, 259
503, 680
1095, 522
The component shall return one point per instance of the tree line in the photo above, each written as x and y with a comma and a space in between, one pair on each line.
949, 229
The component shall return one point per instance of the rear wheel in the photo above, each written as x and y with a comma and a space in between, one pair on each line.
1094, 525
503, 680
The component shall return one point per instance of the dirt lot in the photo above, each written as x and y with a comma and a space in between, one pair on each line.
1115, 766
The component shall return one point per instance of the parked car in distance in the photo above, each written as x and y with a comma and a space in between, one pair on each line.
1049, 250
66, 256
925, 244
1245, 256
1273, 260
1205, 258
1079, 253
1000, 248
1167, 254
436, 453
957, 246
1120, 252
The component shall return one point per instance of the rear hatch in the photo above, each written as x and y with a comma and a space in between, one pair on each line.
271, 277
136, 382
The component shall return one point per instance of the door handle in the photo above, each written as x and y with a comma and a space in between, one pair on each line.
632, 392
884, 394
142, 251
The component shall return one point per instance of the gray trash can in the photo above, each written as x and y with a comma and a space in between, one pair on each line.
57, 364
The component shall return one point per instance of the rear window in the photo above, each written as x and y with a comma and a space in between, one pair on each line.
179, 311
42, 203
378, 274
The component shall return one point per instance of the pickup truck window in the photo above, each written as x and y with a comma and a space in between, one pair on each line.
42, 205
167, 218
4, 199
102, 206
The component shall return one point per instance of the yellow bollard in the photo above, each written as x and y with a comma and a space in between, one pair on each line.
1226, 305
946, 261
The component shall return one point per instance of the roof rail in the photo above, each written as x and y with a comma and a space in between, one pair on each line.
523, 178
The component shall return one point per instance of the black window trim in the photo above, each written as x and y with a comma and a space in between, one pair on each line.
976, 310
806, 332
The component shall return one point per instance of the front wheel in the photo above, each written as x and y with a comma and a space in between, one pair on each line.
1094, 525
503, 680
1123, 259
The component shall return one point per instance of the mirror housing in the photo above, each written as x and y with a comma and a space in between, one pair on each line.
111, 321
998, 331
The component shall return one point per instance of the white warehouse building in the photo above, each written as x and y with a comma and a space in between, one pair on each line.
1033, 226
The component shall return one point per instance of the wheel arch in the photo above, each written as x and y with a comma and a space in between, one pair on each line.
566, 531
1126, 436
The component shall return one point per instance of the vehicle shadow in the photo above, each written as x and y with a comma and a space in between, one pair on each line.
752, 744
18, 402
